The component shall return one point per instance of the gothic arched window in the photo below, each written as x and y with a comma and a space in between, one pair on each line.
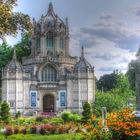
38, 43
61, 43
49, 40
48, 74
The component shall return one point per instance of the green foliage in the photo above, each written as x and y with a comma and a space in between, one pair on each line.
56, 121
23, 48
131, 74
11, 22
18, 114
5, 56
24, 121
110, 101
46, 137
86, 111
115, 98
107, 82
65, 115
5, 112
74, 117
45, 121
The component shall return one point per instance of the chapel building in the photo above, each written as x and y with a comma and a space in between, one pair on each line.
50, 79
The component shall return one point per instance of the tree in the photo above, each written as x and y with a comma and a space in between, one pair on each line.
5, 56
86, 111
5, 112
23, 48
107, 82
131, 74
11, 22
111, 101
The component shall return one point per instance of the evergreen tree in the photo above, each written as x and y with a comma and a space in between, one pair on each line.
5, 112
86, 111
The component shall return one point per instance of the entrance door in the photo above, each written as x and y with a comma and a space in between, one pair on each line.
48, 103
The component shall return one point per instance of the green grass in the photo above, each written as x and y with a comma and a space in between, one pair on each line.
41, 137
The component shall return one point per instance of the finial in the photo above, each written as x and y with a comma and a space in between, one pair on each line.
50, 9
82, 52
14, 54
66, 21
138, 52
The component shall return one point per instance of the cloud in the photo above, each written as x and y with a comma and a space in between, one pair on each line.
109, 44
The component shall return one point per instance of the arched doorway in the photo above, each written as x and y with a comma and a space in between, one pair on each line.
48, 103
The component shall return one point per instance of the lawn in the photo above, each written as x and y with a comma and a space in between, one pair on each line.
41, 137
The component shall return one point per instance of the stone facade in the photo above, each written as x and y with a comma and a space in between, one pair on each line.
50, 79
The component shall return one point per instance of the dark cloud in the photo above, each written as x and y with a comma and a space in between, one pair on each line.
106, 16
107, 69
106, 56
120, 36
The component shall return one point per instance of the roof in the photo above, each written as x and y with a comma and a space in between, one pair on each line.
83, 65
13, 65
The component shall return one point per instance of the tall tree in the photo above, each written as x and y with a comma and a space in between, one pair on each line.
107, 82
11, 22
5, 112
23, 47
131, 74
5, 56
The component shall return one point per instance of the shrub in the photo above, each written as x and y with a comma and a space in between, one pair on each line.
5, 112
61, 130
46, 120
40, 118
16, 130
56, 120
74, 117
18, 114
86, 111
65, 116
33, 129
9, 131
42, 131
23, 131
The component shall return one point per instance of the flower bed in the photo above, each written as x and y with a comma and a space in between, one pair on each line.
121, 126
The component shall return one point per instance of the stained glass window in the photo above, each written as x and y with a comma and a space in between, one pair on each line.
49, 40
33, 99
61, 43
49, 74
62, 99
38, 43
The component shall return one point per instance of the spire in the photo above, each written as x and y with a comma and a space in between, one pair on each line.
50, 9
82, 52
67, 24
14, 54
138, 52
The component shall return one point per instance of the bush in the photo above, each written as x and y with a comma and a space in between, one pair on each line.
40, 118
65, 115
16, 130
33, 129
9, 131
74, 117
5, 112
56, 120
18, 114
86, 111
23, 131
46, 120
42, 131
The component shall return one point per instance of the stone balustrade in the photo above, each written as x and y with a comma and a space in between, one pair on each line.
60, 60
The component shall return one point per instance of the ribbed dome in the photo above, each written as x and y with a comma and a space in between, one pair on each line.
82, 64
13, 65
51, 18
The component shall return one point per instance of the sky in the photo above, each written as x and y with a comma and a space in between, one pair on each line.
109, 30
